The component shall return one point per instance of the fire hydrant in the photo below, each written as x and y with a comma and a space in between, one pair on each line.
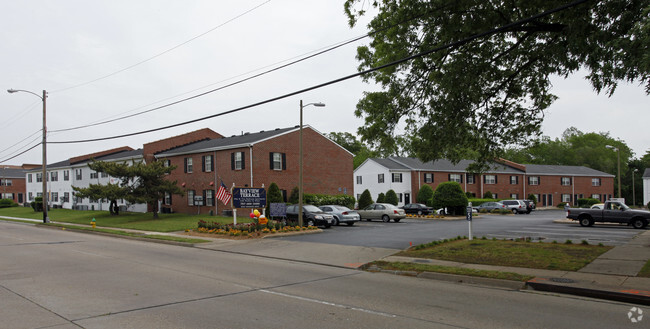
93, 223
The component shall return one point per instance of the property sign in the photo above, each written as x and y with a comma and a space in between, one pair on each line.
278, 209
248, 197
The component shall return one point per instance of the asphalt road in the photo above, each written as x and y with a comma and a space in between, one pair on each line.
61, 279
537, 225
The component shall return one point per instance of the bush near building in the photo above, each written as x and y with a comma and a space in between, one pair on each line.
451, 196
365, 199
391, 197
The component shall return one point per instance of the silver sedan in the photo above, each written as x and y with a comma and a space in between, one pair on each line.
383, 211
342, 214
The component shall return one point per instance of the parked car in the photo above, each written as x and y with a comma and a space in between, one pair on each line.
311, 216
341, 214
417, 208
598, 206
489, 206
383, 211
530, 204
517, 206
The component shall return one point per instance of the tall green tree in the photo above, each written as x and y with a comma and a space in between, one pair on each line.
140, 182
492, 91
351, 143
391, 197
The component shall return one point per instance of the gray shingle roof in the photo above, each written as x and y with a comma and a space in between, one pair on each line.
12, 173
533, 169
404, 163
448, 166
646, 173
227, 142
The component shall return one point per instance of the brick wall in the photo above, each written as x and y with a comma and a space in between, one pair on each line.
327, 169
152, 148
548, 185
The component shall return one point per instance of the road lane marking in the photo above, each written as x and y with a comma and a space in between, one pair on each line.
329, 303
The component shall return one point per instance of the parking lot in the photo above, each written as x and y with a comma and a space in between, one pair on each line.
538, 225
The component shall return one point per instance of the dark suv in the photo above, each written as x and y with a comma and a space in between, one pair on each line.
311, 216
517, 206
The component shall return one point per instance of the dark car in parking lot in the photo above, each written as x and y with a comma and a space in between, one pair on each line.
311, 216
417, 208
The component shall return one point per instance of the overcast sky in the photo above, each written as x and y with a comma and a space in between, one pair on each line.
70, 47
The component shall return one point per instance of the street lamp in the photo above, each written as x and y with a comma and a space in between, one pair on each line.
633, 196
44, 166
618, 154
300, 162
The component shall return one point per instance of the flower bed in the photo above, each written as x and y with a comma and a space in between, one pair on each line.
248, 230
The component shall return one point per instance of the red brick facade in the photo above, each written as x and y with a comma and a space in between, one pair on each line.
327, 169
548, 189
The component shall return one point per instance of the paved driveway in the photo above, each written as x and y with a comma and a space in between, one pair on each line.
537, 225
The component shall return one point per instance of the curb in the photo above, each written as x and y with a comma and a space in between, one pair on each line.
627, 296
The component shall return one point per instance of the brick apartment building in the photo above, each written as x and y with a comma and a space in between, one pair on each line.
505, 180
12, 182
255, 160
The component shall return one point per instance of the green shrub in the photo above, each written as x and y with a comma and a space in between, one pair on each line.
381, 198
273, 195
391, 197
533, 198
6, 203
323, 199
488, 195
295, 195
450, 195
425, 194
365, 199
587, 202
477, 202
37, 204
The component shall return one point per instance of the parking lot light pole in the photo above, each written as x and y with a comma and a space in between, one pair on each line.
44, 166
618, 154
633, 194
300, 161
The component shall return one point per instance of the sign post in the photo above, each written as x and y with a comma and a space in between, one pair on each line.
247, 197
469, 219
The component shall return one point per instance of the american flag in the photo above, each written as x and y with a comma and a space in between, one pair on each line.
223, 194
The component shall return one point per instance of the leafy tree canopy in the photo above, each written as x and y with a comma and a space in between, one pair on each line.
351, 143
492, 91
425, 194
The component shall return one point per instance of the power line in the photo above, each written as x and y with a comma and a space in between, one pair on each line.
21, 153
331, 48
317, 53
24, 139
162, 53
405, 59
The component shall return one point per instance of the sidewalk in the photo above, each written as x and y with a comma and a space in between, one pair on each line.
611, 276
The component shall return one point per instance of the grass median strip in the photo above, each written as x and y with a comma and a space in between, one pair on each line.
549, 256
645, 271
130, 234
400, 266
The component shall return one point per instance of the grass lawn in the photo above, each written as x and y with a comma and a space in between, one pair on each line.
550, 256
399, 266
645, 271
126, 220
